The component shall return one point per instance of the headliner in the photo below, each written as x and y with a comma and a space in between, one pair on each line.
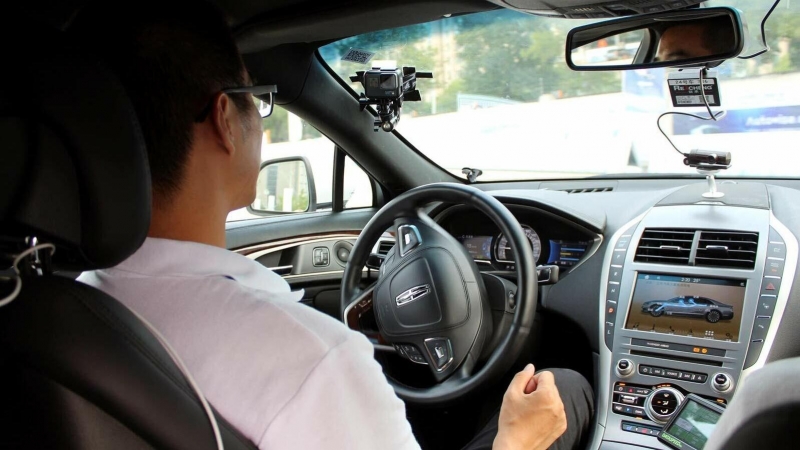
262, 24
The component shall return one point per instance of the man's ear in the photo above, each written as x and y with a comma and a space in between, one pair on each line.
223, 117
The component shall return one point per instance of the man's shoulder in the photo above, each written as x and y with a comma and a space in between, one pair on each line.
181, 304
311, 322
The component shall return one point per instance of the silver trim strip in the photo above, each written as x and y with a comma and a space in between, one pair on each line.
316, 274
449, 347
349, 307
789, 271
400, 235
295, 243
604, 385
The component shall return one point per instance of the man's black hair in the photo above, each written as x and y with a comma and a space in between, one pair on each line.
172, 57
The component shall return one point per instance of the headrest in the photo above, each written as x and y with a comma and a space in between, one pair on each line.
74, 166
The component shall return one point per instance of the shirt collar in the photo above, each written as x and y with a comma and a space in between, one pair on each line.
166, 257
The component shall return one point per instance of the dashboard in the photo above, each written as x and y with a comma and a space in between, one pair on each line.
553, 240
675, 293
679, 295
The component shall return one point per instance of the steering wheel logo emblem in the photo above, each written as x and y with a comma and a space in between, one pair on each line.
412, 294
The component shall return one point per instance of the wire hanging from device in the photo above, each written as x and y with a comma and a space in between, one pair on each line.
711, 115
763, 34
714, 117
17, 275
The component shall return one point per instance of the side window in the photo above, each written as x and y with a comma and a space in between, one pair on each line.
357, 186
307, 153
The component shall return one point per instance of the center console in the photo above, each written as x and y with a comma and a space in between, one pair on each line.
692, 298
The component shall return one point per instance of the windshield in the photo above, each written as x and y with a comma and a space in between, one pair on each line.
503, 100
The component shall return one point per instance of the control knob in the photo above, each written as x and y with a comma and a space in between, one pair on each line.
721, 383
662, 403
625, 368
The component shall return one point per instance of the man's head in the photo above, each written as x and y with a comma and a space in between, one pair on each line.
174, 58
696, 39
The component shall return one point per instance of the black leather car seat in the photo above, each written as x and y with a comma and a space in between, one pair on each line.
77, 368
765, 411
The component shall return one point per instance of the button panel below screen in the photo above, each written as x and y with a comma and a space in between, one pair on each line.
673, 374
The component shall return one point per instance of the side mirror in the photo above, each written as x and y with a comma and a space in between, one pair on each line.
695, 37
284, 186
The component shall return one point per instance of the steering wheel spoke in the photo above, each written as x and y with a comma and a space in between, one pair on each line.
359, 316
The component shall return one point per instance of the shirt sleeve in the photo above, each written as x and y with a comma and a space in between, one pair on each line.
344, 403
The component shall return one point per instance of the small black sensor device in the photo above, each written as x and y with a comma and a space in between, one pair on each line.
383, 83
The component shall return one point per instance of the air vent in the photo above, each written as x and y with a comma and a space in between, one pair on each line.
727, 249
384, 247
667, 246
588, 190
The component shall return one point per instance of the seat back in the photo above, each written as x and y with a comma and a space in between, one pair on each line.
77, 368
764, 413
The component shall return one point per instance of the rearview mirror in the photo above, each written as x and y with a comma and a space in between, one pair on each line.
284, 186
696, 37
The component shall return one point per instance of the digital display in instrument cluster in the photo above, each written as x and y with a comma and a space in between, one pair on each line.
479, 247
567, 254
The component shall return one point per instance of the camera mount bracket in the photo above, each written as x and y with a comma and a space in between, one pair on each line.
386, 89
709, 163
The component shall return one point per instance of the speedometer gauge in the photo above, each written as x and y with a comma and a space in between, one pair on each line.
505, 254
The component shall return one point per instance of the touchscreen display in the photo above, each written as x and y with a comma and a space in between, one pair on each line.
479, 247
693, 426
709, 308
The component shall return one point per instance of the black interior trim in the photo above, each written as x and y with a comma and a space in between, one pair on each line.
339, 157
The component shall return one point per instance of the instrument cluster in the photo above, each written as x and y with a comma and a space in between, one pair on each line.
553, 241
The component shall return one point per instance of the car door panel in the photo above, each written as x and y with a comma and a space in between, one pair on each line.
291, 246
248, 233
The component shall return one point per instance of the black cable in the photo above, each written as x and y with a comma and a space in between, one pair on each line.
763, 34
658, 123
703, 94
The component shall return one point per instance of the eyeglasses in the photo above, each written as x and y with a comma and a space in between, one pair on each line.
263, 97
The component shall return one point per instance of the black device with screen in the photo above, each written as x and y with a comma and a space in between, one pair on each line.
691, 425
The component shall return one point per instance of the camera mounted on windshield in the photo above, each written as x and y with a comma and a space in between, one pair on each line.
386, 89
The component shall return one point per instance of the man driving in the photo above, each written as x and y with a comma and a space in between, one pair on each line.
285, 375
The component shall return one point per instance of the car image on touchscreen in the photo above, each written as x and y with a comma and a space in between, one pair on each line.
687, 306
697, 307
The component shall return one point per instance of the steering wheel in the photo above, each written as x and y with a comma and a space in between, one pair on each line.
430, 301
